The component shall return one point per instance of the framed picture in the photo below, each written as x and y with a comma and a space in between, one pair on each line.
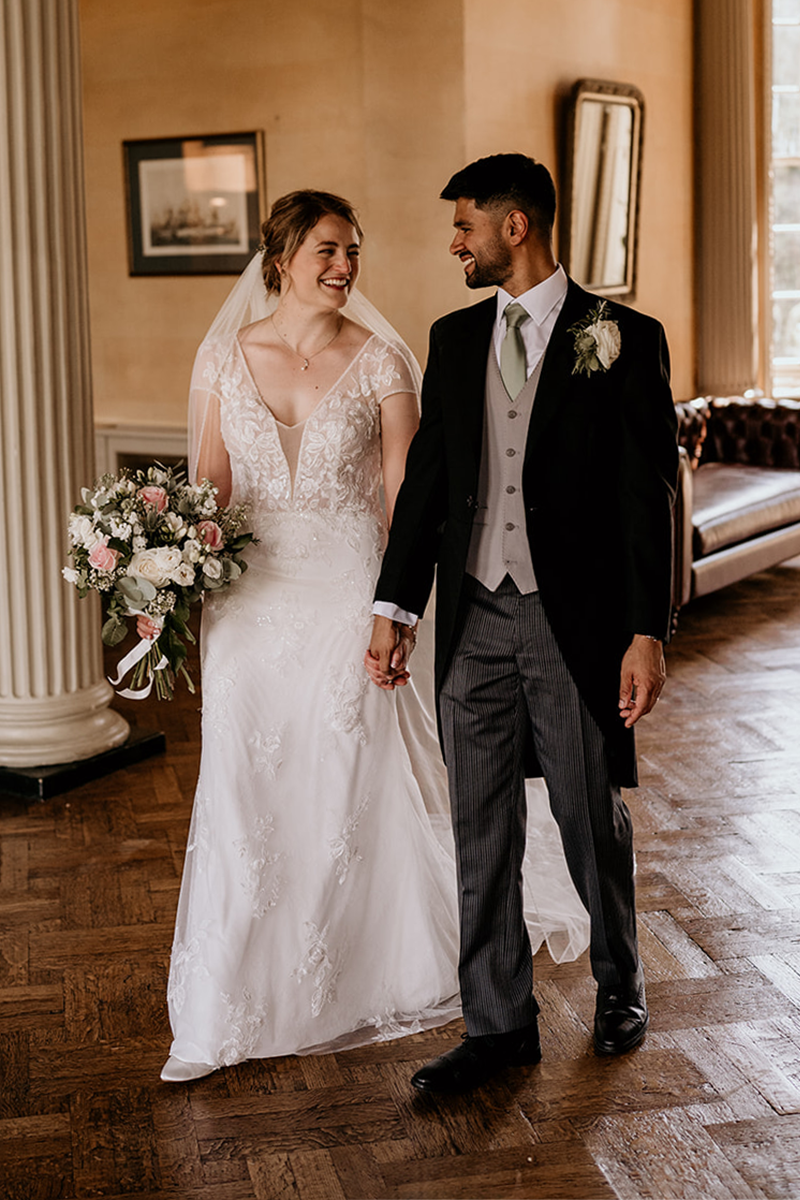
194, 203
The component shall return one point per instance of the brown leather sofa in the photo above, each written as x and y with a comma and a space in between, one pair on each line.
738, 504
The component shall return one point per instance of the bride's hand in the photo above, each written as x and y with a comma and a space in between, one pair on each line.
386, 660
381, 678
147, 628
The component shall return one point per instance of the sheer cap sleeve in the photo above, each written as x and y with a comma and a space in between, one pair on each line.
396, 376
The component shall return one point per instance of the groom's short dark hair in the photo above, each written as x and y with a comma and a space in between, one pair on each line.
508, 181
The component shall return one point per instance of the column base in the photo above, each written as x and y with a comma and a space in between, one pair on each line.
53, 730
42, 783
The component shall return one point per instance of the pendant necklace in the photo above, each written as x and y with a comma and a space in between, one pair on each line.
307, 358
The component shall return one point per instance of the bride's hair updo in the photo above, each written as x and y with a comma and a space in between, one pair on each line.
290, 221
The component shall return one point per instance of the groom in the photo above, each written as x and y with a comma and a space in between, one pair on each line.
540, 486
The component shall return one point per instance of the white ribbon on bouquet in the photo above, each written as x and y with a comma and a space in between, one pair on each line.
135, 656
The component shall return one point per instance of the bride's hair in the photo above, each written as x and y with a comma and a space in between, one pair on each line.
290, 221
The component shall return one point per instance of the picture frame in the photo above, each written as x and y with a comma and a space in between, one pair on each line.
194, 204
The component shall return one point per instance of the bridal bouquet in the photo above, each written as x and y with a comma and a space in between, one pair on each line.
153, 543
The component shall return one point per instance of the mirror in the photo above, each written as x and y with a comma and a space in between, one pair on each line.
600, 199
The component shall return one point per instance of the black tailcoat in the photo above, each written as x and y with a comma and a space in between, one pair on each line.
598, 481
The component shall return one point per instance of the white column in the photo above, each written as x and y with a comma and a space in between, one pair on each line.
727, 337
53, 696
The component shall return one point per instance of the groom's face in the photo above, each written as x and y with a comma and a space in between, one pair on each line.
480, 245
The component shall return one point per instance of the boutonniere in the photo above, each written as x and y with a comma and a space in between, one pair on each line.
597, 341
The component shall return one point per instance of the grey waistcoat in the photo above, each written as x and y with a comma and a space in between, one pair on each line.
499, 543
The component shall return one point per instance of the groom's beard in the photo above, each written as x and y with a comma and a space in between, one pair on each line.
492, 266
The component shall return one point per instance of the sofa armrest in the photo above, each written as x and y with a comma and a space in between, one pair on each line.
682, 533
692, 418
760, 433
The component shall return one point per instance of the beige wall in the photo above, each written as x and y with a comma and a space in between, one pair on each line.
382, 102
524, 57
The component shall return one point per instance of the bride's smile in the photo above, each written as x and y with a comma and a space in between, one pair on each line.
325, 264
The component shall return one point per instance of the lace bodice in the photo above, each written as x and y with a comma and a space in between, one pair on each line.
339, 464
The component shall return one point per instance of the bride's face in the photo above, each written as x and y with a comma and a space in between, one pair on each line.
324, 268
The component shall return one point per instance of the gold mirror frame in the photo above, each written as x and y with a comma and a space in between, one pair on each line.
600, 199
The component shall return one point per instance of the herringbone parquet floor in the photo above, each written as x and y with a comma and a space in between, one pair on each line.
709, 1106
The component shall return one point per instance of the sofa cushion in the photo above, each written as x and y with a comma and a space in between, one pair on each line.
733, 502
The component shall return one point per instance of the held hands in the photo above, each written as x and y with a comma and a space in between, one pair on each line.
390, 648
642, 677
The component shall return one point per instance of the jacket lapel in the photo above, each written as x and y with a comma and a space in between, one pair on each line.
469, 374
559, 359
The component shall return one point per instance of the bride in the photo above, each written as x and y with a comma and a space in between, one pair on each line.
318, 903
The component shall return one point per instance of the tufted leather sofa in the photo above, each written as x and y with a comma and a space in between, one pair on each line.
738, 504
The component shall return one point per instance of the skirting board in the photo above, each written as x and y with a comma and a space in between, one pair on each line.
42, 783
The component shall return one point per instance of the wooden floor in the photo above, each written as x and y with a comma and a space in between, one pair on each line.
709, 1106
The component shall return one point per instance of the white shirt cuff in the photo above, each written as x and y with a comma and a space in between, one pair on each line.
382, 608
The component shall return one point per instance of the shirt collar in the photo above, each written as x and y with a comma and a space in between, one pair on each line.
538, 301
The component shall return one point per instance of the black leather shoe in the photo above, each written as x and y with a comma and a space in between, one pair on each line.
479, 1058
620, 1018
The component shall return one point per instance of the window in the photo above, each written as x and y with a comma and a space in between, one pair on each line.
785, 198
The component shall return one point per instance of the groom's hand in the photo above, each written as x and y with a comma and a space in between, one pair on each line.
642, 677
386, 659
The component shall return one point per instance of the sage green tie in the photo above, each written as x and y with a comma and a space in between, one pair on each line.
513, 364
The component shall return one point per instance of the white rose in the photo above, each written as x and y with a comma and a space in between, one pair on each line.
192, 551
121, 530
82, 532
175, 523
184, 574
606, 336
157, 566
213, 568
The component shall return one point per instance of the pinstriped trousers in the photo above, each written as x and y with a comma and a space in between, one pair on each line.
508, 681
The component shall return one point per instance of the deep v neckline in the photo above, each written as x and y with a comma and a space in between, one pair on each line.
319, 402
293, 476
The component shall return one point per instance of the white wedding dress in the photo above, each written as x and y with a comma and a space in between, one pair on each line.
318, 903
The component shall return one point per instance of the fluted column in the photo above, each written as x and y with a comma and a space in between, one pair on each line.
726, 204
53, 696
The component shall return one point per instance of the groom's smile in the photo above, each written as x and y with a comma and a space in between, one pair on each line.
479, 244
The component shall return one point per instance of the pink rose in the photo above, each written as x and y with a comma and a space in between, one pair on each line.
211, 534
101, 558
156, 496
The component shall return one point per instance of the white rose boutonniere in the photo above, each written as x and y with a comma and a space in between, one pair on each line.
597, 342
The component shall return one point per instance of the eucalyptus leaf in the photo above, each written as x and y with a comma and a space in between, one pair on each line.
114, 631
136, 590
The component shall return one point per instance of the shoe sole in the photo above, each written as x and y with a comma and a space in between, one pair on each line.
607, 1049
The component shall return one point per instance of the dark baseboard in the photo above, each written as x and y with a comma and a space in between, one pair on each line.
42, 783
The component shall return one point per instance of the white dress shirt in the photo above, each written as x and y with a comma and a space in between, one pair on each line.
543, 303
